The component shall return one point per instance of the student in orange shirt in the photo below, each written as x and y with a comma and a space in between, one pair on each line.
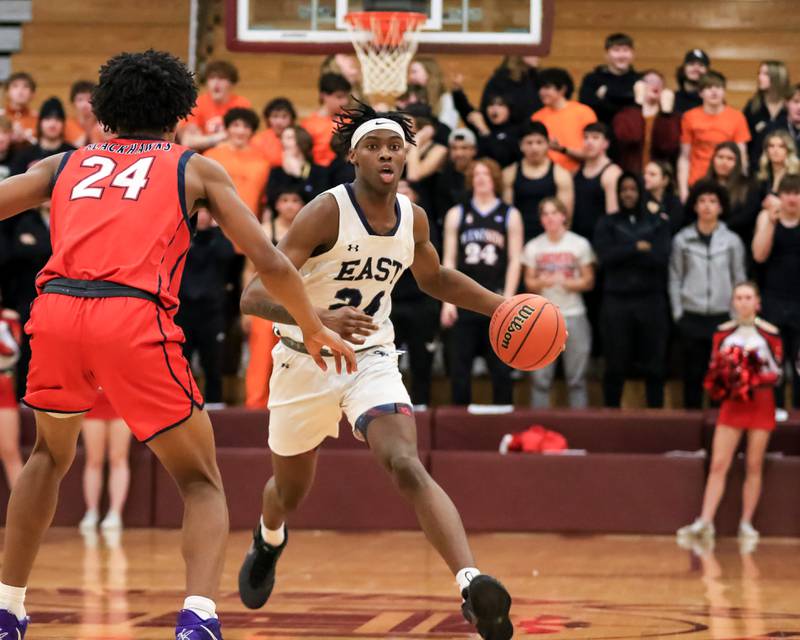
20, 88
246, 165
565, 119
278, 114
703, 128
334, 94
205, 128
82, 128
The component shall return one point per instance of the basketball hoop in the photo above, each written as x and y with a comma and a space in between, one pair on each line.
385, 42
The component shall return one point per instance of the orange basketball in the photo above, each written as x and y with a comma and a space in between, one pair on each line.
527, 332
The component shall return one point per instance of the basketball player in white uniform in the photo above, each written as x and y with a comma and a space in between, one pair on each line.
351, 245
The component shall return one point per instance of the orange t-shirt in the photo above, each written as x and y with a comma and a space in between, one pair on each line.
270, 145
704, 132
75, 134
566, 125
248, 168
208, 115
321, 129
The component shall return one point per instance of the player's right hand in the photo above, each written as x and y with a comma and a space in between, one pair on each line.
350, 323
327, 339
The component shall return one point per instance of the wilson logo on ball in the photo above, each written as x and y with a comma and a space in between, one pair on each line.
517, 324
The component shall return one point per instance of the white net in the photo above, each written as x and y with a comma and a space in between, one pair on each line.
385, 43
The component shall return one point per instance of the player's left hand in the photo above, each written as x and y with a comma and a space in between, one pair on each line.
325, 338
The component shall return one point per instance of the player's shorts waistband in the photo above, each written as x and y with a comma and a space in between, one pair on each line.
97, 289
300, 347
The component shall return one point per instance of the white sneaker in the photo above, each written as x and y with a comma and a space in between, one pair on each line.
89, 522
112, 522
747, 531
698, 529
781, 415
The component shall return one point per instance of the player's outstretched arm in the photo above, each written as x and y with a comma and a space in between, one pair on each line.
30, 189
211, 186
315, 228
443, 283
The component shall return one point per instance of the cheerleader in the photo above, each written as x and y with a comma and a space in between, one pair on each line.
10, 336
105, 436
752, 411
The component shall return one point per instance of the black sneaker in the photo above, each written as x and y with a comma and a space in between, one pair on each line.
486, 605
257, 575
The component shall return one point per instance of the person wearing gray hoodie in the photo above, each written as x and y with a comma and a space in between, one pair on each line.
707, 262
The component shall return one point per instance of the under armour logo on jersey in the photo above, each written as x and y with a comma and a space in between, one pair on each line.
498, 218
352, 246
284, 365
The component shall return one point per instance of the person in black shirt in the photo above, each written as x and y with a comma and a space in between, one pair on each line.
744, 194
776, 246
425, 158
49, 134
695, 65
778, 159
633, 248
203, 295
766, 107
450, 189
483, 239
609, 87
659, 184
498, 135
516, 78
595, 182
298, 168
415, 317
534, 178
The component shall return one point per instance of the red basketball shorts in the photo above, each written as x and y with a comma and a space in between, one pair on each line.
8, 392
128, 346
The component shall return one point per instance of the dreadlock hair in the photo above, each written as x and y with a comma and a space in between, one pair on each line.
351, 119
147, 91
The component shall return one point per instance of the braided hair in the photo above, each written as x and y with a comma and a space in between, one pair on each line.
351, 119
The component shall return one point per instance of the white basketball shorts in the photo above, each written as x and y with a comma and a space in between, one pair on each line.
306, 403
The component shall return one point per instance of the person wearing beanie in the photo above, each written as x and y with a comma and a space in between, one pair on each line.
49, 134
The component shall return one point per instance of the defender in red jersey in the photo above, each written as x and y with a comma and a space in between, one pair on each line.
120, 230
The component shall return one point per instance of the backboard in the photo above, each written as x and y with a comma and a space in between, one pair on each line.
500, 27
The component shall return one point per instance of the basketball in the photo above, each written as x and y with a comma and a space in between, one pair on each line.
527, 332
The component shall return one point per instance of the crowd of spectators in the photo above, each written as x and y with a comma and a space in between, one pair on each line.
635, 207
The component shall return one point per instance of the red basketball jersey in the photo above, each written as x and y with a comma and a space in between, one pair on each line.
118, 214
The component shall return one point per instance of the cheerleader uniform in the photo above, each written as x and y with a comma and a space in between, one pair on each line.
10, 336
102, 409
764, 338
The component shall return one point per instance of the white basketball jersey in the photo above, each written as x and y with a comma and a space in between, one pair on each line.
361, 269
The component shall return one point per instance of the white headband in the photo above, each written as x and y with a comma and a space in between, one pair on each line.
374, 125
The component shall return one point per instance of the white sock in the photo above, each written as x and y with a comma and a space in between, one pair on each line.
465, 576
274, 538
205, 608
13, 599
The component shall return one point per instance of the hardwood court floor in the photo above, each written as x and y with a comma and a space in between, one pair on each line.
391, 585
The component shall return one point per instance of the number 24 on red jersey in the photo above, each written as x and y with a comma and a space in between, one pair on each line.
132, 179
